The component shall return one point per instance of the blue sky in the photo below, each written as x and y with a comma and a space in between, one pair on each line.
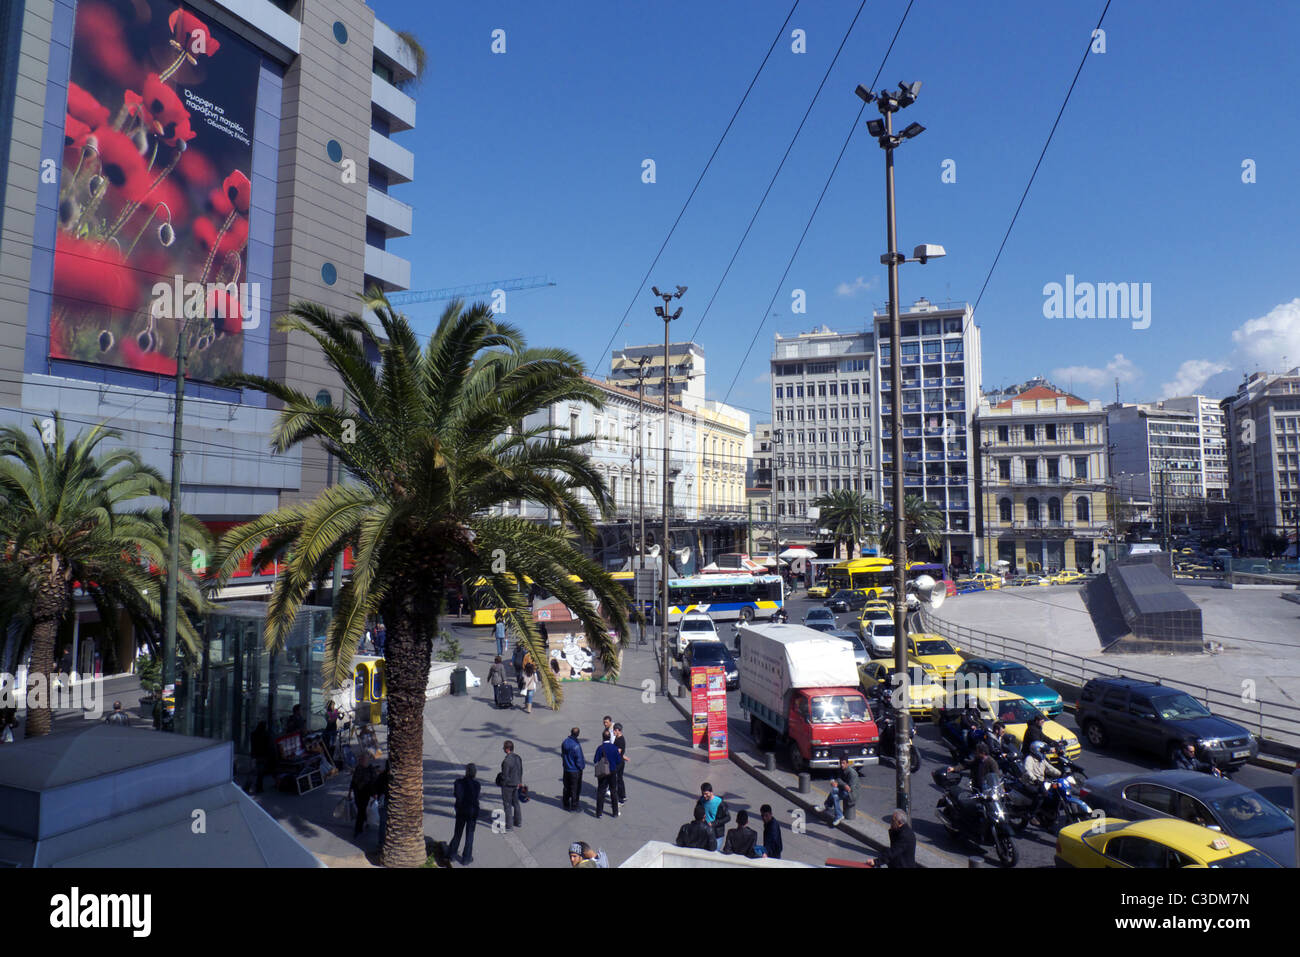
530, 162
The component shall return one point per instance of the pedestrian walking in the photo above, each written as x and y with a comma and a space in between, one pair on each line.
620, 742
499, 631
261, 748
363, 781
331, 728
716, 814
742, 839
510, 779
606, 762
465, 791
381, 639
573, 763
772, 843
530, 687
496, 673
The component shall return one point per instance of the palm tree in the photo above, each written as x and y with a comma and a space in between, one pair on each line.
64, 525
436, 441
849, 515
922, 523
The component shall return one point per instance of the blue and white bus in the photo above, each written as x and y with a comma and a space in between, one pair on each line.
721, 597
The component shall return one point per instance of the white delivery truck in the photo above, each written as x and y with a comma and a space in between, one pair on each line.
800, 688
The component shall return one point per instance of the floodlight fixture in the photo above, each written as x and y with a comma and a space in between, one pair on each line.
876, 127
928, 251
912, 129
865, 95
655, 290
681, 291
678, 313
659, 311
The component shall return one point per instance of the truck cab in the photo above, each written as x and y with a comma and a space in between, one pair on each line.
827, 723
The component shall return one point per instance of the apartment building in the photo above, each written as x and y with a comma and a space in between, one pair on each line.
1042, 472
1262, 422
686, 370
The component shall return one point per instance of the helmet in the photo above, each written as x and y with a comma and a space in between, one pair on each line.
1037, 748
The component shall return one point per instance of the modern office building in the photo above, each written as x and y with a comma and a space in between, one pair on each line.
686, 370
1262, 422
1043, 485
245, 146
941, 369
1168, 462
822, 434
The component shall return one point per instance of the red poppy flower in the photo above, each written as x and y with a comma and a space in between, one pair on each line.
74, 131
224, 310
236, 188
141, 361
122, 165
162, 110
197, 168
88, 274
218, 203
85, 107
100, 36
234, 239
185, 26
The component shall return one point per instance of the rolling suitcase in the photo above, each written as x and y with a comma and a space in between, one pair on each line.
503, 695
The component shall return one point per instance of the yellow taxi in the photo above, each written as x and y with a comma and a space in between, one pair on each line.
988, 580
1158, 842
1066, 578
923, 695
818, 591
997, 704
937, 656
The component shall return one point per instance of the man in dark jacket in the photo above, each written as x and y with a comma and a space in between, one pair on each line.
772, 843
608, 758
512, 776
741, 839
697, 834
466, 791
902, 844
844, 791
1186, 759
1035, 733
573, 763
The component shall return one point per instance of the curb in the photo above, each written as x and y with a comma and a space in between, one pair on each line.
866, 830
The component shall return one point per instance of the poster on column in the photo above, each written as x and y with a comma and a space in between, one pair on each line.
717, 715
699, 706
154, 192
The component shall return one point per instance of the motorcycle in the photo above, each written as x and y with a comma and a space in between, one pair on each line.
959, 740
1061, 800
887, 724
978, 817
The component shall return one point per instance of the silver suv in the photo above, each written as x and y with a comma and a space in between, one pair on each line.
694, 626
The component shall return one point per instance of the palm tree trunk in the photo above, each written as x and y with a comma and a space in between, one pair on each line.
47, 611
407, 673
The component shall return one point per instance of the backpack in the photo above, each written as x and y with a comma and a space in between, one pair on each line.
602, 766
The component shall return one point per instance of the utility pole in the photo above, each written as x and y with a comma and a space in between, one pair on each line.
663, 313
642, 372
171, 594
1164, 514
888, 103
862, 499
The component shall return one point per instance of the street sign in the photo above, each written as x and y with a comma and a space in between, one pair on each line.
646, 581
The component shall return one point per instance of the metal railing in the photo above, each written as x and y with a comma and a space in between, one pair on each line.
1270, 720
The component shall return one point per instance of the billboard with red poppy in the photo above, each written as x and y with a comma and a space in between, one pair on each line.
154, 198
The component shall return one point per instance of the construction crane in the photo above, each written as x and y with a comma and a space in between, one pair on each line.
467, 292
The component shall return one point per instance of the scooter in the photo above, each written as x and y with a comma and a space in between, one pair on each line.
979, 817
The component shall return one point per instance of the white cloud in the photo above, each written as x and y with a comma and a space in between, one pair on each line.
1191, 375
1118, 368
1264, 341
849, 290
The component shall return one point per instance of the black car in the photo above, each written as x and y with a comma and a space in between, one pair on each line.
1159, 719
703, 654
1201, 799
847, 599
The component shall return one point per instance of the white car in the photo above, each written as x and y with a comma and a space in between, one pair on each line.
879, 636
695, 626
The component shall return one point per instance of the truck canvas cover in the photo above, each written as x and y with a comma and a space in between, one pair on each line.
777, 657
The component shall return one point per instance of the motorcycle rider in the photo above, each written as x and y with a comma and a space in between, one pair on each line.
1186, 759
997, 741
981, 766
1037, 771
1035, 732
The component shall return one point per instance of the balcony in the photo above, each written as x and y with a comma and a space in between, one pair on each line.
392, 103
911, 360
911, 433
933, 383
394, 215
957, 405
958, 356
934, 407
393, 52
397, 161
393, 272
958, 456
934, 456
934, 480
886, 409
911, 407
954, 381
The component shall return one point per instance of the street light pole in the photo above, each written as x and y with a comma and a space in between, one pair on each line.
171, 593
663, 313
862, 499
889, 103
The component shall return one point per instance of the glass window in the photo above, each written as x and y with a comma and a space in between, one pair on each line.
1031, 470
1004, 433
1137, 852
855, 388
1154, 796
1081, 510
1053, 509
1079, 431
834, 389
1081, 466
1031, 509
1004, 510
1050, 430
1053, 469
821, 392
1029, 433
799, 391
1004, 469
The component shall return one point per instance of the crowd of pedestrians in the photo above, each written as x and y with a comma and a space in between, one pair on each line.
707, 829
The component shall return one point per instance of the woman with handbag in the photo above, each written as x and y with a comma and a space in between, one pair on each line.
530, 687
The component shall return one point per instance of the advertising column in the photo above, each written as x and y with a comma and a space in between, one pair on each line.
709, 711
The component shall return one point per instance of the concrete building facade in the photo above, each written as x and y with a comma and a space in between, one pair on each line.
686, 370
1042, 471
1262, 422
